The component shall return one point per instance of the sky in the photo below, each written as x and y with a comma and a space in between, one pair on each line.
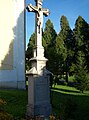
70, 8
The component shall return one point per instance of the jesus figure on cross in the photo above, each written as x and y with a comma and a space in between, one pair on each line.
39, 19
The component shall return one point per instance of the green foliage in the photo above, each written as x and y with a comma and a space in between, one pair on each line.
29, 51
81, 73
82, 78
49, 36
64, 50
31, 45
81, 37
64, 46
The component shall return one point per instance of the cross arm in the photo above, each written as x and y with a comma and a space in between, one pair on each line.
31, 8
46, 12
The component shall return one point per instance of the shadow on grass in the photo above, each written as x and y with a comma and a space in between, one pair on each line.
16, 102
66, 90
82, 103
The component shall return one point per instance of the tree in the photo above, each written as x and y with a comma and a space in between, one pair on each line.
49, 36
48, 39
81, 37
29, 51
81, 74
64, 46
81, 52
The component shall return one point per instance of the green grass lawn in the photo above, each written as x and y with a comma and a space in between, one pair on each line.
17, 101
71, 78
60, 94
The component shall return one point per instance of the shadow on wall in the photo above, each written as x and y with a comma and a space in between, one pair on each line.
7, 62
16, 46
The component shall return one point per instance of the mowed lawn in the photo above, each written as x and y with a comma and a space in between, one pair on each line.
80, 101
17, 101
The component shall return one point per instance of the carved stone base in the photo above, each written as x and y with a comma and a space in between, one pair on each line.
42, 110
38, 96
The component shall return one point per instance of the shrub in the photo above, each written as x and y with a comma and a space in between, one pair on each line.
4, 115
2, 103
82, 80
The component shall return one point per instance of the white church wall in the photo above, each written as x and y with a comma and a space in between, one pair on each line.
12, 44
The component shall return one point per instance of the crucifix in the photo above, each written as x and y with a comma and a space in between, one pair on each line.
38, 75
39, 20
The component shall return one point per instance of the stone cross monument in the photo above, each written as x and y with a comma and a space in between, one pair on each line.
38, 75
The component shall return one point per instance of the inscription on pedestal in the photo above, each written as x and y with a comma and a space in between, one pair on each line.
41, 93
41, 89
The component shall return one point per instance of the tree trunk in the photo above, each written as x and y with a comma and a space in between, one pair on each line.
66, 71
66, 76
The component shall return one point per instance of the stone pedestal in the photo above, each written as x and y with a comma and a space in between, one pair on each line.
38, 89
39, 96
